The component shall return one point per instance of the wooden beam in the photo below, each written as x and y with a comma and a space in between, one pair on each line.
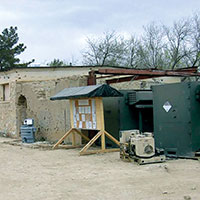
62, 138
125, 79
69, 146
72, 130
148, 72
99, 151
73, 139
91, 141
71, 113
99, 113
112, 138
82, 135
101, 134
103, 141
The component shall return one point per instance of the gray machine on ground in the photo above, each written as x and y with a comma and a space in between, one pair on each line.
28, 131
139, 147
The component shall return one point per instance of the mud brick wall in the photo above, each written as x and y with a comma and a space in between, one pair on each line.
8, 114
30, 92
31, 99
52, 118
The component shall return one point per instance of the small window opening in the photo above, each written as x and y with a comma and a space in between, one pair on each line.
5, 92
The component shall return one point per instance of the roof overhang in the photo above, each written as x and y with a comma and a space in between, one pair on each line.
87, 92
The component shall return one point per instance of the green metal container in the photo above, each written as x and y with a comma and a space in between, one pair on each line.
176, 109
132, 111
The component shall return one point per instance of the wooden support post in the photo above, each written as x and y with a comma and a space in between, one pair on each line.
73, 131
103, 149
69, 146
101, 134
100, 114
73, 139
99, 151
112, 138
62, 138
103, 142
82, 135
91, 141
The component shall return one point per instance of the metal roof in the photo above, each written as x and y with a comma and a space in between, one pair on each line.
87, 91
139, 74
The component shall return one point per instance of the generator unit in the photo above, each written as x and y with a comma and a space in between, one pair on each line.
176, 111
124, 136
142, 145
139, 147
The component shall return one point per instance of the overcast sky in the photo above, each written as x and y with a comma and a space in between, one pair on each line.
58, 28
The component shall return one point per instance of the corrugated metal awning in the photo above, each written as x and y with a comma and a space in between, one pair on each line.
87, 91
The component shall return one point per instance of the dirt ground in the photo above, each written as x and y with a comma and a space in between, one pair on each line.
38, 174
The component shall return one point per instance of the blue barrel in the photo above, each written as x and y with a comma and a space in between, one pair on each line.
28, 133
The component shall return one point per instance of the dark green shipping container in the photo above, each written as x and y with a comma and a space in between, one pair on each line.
176, 109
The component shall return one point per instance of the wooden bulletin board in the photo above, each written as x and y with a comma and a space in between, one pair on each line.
87, 113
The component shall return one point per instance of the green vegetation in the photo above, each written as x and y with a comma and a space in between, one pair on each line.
10, 49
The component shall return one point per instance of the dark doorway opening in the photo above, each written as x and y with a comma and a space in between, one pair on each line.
21, 111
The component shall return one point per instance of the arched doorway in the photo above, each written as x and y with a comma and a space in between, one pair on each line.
21, 114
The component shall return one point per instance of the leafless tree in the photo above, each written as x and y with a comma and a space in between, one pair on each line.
106, 50
193, 57
131, 52
151, 47
160, 47
177, 39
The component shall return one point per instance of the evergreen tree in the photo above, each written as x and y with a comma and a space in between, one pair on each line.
9, 49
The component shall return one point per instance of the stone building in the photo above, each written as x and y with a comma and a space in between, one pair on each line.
26, 92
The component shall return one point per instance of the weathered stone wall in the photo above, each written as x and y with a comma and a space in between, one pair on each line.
8, 114
41, 73
35, 86
52, 118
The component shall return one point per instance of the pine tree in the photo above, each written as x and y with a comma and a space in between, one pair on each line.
9, 49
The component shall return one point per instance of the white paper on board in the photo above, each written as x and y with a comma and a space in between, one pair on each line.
83, 117
93, 117
87, 124
77, 117
90, 125
94, 125
87, 110
93, 106
80, 124
83, 102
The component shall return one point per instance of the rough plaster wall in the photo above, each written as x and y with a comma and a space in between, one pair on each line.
27, 74
8, 114
52, 118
